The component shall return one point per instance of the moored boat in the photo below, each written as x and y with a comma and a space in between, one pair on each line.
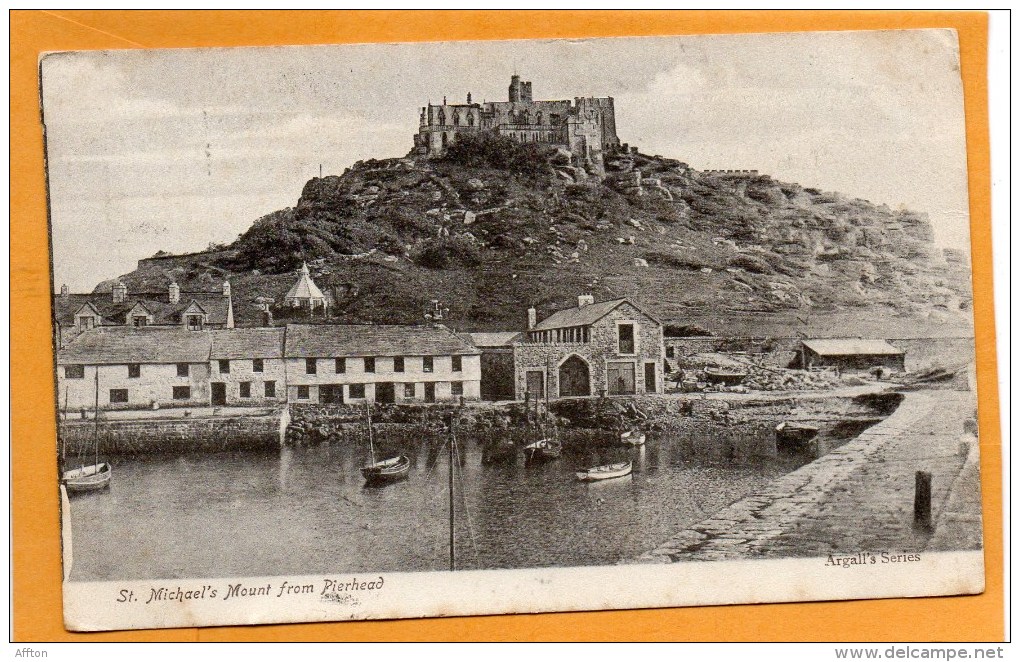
632, 438
727, 376
606, 471
87, 478
386, 471
542, 450
794, 436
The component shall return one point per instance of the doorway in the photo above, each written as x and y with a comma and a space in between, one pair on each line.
621, 378
385, 393
650, 377
574, 377
219, 393
535, 384
430, 391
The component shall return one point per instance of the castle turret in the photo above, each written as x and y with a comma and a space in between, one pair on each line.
520, 91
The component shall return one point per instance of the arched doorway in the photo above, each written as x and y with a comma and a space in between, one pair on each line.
574, 377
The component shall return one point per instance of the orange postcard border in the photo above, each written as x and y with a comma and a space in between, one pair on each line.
36, 562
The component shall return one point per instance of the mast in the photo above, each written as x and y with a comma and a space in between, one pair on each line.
96, 432
368, 416
63, 442
452, 451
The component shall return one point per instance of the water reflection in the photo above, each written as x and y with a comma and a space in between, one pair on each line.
307, 510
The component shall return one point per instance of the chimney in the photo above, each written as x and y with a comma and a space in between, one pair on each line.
469, 98
267, 317
226, 288
175, 292
119, 292
585, 300
65, 293
532, 318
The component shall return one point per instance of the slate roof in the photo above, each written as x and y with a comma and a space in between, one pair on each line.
333, 340
496, 339
125, 344
305, 287
583, 316
261, 343
158, 303
850, 347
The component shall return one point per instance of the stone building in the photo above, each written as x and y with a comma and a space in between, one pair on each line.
851, 354
246, 367
585, 126
137, 368
331, 363
497, 363
606, 348
195, 311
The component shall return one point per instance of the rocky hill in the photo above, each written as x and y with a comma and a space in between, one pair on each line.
496, 226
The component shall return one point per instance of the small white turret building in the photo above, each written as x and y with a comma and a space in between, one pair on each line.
305, 293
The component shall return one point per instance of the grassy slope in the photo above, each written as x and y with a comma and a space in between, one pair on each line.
783, 259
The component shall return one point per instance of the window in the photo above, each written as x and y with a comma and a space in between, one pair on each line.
357, 390
302, 392
398, 364
245, 389
139, 320
182, 370
118, 396
626, 335
74, 371
134, 370
194, 322
341, 365
408, 390
256, 365
309, 367
426, 364
270, 389
456, 388
670, 352
369, 364
86, 322
456, 364
224, 366
182, 393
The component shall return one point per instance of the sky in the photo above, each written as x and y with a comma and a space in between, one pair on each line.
171, 150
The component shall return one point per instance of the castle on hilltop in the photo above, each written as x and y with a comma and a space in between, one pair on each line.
585, 126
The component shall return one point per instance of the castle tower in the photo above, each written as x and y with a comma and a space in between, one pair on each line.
520, 91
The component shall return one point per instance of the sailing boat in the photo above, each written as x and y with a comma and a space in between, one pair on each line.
88, 478
384, 471
545, 449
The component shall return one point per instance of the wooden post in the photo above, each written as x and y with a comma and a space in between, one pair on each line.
922, 500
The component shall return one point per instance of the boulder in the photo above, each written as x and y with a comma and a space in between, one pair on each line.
640, 262
475, 184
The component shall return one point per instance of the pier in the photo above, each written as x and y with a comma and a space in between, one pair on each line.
858, 498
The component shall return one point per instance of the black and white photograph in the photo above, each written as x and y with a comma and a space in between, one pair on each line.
406, 330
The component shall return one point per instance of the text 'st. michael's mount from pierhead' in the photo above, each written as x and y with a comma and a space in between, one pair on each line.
586, 126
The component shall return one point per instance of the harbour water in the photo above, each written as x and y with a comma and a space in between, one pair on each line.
307, 510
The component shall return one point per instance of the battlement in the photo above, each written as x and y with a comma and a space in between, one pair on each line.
731, 173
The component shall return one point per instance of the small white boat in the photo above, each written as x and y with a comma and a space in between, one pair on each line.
542, 450
605, 472
632, 438
87, 478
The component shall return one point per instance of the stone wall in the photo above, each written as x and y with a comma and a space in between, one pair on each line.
175, 435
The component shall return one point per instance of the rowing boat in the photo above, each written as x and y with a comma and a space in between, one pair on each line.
387, 471
605, 472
